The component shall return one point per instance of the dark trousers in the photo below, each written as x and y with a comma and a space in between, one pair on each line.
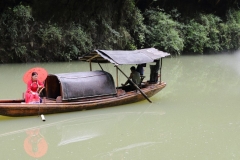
129, 87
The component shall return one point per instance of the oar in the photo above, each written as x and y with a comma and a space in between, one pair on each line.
134, 84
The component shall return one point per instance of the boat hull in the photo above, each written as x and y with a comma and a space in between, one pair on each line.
16, 108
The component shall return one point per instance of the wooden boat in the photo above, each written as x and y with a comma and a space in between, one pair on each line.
67, 92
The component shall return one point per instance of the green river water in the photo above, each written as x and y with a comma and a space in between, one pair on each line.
195, 117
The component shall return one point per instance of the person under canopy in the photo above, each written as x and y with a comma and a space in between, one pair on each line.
135, 77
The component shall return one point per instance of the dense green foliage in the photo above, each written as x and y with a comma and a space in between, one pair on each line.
163, 32
39, 32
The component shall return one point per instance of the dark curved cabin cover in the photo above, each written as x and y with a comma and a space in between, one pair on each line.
78, 85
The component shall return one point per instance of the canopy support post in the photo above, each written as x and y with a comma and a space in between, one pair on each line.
90, 63
117, 76
134, 84
160, 72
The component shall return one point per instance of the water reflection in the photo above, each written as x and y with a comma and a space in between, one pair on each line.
84, 131
35, 145
87, 129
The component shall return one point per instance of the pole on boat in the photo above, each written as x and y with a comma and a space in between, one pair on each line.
90, 63
117, 76
160, 77
100, 66
134, 84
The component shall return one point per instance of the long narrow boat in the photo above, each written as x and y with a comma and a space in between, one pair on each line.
68, 92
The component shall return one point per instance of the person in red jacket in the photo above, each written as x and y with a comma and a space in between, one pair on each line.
33, 86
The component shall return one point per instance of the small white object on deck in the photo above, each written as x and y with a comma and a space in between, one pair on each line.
43, 118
